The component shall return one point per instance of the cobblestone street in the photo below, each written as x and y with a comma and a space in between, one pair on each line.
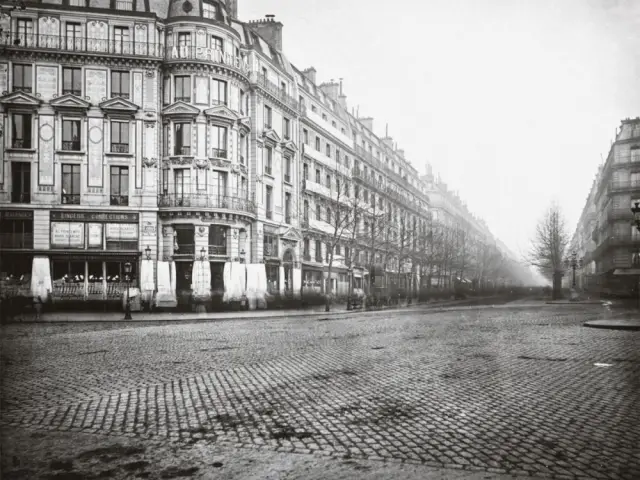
528, 392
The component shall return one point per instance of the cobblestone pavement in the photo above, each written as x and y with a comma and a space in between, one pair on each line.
510, 390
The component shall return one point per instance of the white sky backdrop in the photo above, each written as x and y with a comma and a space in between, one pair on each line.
513, 102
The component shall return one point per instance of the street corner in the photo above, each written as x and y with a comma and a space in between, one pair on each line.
629, 324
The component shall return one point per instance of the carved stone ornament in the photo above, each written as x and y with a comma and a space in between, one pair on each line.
149, 162
165, 232
150, 73
149, 229
201, 162
235, 234
202, 231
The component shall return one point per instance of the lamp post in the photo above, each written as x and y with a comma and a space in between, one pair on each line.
242, 255
573, 262
635, 210
127, 305
147, 252
203, 253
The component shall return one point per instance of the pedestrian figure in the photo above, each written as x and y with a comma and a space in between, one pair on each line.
37, 304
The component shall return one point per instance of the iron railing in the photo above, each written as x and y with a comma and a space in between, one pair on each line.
268, 86
119, 148
71, 198
122, 200
71, 146
119, 94
65, 44
198, 200
182, 151
20, 197
16, 240
73, 91
219, 153
182, 249
21, 143
218, 250
624, 185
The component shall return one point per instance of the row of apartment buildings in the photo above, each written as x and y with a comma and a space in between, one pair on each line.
171, 131
606, 239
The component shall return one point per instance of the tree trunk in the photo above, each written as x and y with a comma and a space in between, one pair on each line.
557, 286
329, 287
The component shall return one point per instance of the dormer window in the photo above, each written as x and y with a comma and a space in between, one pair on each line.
124, 4
216, 43
209, 11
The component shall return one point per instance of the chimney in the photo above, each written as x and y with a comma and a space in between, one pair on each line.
310, 73
367, 122
232, 8
268, 29
331, 89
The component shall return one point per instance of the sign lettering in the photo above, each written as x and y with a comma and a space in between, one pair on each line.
16, 214
103, 217
67, 235
209, 54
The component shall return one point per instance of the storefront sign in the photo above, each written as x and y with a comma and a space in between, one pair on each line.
208, 54
67, 234
122, 231
95, 235
16, 214
68, 215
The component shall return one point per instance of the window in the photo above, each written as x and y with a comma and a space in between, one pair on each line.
121, 43
241, 103
287, 169
324, 117
318, 214
286, 128
328, 181
120, 186
318, 176
70, 184
365, 195
219, 92
305, 215
20, 182
313, 108
71, 135
265, 74
22, 79
318, 251
333, 124
21, 130
305, 171
356, 192
217, 240
182, 138
305, 136
182, 88
267, 201
119, 136
287, 208
73, 36
16, 233
328, 215
219, 141
267, 116
124, 4
209, 11
328, 150
317, 144
305, 249
283, 87
327, 251
24, 32
78, 3
268, 160
120, 84
184, 39
72, 81
301, 101
182, 185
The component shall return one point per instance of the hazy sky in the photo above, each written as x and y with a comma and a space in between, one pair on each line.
513, 102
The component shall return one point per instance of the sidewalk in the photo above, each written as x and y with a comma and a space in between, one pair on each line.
336, 309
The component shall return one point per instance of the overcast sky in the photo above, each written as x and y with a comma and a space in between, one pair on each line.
513, 102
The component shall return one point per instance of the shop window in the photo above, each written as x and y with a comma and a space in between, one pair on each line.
270, 245
72, 81
217, 277
16, 233
21, 130
95, 277
66, 271
217, 240
24, 32
273, 273
20, 182
15, 274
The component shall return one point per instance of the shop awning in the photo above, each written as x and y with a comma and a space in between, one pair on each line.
98, 255
312, 268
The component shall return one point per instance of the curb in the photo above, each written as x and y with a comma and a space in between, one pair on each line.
613, 325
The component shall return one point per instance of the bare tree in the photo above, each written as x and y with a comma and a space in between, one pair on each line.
548, 246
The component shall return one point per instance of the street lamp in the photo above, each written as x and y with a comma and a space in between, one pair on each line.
203, 252
147, 252
242, 254
127, 306
573, 262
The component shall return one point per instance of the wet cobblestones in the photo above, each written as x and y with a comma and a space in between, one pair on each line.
498, 391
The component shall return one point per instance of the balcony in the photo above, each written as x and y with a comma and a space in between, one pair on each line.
182, 151
218, 250
624, 186
620, 214
219, 153
184, 250
265, 84
270, 214
120, 94
20, 143
196, 200
60, 43
16, 240
287, 178
71, 199
20, 197
71, 146
119, 148
268, 170
329, 162
119, 200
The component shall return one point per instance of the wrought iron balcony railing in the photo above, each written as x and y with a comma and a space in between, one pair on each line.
119, 148
182, 249
218, 250
71, 146
196, 200
267, 85
71, 198
16, 240
62, 43
120, 94
182, 151
122, 200
20, 197
624, 185
219, 153
73, 91
21, 143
